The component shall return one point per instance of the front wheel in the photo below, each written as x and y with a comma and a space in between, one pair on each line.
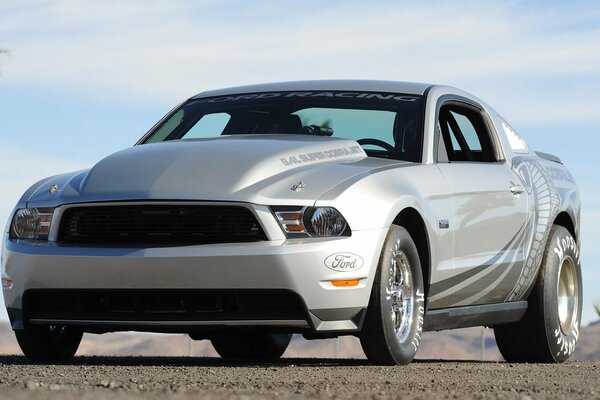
549, 330
259, 346
393, 325
49, 343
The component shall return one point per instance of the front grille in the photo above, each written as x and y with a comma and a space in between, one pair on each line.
158, 225
162, 305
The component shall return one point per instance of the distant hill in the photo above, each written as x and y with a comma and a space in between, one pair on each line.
460, 344
588, 347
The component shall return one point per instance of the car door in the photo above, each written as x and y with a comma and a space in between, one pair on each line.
489, 210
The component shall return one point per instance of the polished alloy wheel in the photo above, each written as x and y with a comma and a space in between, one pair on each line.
392, 328
567, 295
400, 295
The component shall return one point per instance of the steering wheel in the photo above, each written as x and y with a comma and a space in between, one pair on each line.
376, 142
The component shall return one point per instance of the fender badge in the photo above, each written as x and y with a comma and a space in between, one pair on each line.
298, 187
53, 189
343, 262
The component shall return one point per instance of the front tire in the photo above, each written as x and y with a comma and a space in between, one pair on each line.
393, 325
258, 346
549, 330
49, 343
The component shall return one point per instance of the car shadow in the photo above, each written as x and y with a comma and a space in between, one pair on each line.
145, 361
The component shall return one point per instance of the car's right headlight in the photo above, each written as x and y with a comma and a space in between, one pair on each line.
311, 222
31, 223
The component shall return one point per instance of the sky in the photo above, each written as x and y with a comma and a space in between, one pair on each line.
85, 79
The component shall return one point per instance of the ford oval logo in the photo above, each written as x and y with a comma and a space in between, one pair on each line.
343, 262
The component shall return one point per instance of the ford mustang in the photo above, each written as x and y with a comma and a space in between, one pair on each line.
323, 208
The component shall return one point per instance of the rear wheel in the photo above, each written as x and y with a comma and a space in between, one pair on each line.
392, 329
549, 330
49, 343
260, 346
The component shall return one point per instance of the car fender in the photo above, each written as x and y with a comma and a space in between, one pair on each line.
374, 201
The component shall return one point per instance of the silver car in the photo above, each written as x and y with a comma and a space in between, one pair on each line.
368, 208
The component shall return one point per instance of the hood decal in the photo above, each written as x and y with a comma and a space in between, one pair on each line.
321, 155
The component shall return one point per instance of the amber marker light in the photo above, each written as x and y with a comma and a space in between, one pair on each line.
45, 221
345, 282
292, 221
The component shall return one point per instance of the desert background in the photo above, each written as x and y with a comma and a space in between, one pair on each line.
459, 344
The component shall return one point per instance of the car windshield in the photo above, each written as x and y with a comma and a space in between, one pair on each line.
386, 125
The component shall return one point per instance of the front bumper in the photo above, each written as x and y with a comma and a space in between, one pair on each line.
296, 265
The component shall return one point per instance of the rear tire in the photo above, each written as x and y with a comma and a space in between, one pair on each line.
49, 343
391, 333
549, 330
258, 346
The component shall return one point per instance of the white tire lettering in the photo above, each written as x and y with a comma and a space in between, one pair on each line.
567, 343
420, 299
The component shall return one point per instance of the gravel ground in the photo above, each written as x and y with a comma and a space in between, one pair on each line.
212, 378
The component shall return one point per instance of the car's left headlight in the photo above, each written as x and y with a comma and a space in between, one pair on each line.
31, 223
299, 222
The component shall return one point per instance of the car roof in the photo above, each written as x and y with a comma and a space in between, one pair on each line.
410, 88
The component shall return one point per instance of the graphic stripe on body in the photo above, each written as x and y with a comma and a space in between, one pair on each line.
484, 277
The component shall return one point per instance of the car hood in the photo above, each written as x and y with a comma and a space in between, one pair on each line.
259, 169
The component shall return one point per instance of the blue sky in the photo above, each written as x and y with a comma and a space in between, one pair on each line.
84, 79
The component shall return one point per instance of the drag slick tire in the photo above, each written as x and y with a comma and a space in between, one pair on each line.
392, 329
42, 343
257, 346
549, 330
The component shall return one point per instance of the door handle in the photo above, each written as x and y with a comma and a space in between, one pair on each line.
516, 189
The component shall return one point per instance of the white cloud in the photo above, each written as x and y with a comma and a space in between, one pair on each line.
165, 49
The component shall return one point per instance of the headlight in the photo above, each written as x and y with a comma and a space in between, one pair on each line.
327, 221
311, 222
31, 223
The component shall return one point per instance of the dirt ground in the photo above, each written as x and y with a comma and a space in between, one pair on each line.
213, 378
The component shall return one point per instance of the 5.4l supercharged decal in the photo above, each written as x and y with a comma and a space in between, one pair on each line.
321, 155
343, 262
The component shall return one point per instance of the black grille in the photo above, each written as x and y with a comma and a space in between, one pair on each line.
162, 305
159, 225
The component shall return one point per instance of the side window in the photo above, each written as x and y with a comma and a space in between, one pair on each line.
468, 131
465, 134
442, 155
453, 140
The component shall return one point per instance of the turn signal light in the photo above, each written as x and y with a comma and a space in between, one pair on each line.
292, 221
346, 282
